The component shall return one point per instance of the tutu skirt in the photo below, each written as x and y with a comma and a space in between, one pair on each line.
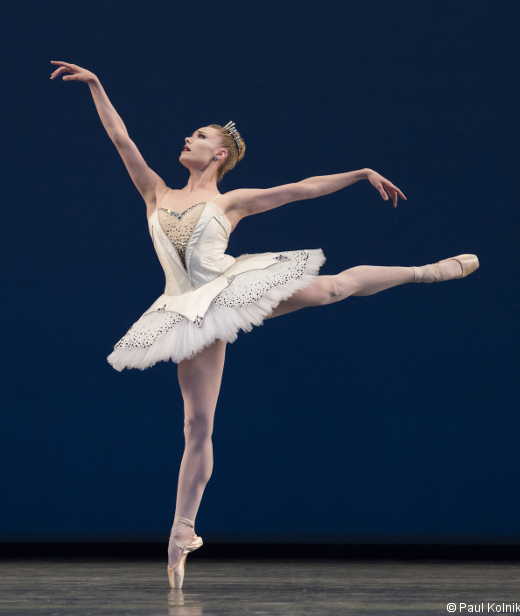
250, 297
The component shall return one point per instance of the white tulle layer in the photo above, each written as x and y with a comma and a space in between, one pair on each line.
184, 339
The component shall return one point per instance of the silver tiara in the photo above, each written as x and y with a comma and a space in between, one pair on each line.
230, 127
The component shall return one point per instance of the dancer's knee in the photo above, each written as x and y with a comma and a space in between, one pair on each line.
198, 429
341, 287
326, 290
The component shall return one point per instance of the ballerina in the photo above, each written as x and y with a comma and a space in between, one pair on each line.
210, 296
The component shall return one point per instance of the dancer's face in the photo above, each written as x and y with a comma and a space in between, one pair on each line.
204, 144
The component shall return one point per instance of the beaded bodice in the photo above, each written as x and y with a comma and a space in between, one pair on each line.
179, 227
191, 245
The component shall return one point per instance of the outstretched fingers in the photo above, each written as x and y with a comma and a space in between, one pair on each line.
392, 190
65, 67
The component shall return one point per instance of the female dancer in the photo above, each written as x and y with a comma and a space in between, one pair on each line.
210, 296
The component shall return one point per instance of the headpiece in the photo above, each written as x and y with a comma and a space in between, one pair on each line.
230, 127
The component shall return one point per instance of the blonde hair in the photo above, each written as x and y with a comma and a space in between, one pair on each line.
233, 156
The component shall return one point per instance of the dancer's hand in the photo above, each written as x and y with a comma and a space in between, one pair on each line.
78, 73
382, 184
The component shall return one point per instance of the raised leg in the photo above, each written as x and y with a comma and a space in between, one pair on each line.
357, 281
199, 379
370, 279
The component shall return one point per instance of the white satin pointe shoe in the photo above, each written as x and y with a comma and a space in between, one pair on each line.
187, 545
432, 273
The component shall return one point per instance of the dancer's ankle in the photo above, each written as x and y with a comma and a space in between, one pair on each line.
182, 527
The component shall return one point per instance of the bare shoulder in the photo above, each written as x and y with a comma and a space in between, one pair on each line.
233, 200
160, 191
156, 196
229, 204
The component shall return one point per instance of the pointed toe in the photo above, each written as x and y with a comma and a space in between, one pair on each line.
176, 574
469, 263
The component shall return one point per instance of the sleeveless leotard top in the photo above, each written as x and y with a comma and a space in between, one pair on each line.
179, 227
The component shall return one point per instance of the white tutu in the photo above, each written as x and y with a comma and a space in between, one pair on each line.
250, 296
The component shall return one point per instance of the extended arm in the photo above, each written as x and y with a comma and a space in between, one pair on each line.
326, 184
146, 180
110, 119
248, 201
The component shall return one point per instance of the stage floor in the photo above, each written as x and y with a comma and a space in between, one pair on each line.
286, 587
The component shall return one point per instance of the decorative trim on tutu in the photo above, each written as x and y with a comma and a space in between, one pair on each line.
249, 298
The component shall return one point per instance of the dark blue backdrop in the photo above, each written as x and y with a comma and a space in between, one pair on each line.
381, 418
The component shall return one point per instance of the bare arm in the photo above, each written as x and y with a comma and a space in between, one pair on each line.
326, 184
248, 201
146, 181
110, 119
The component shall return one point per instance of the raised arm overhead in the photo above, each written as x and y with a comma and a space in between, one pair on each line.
147, 182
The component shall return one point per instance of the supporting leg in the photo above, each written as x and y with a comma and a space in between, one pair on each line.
199, 379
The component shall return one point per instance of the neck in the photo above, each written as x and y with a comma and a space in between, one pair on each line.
201, 179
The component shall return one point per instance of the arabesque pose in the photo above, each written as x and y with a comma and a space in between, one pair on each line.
210, 295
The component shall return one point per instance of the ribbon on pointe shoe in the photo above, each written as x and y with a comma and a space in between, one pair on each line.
187, 543
183, 528
427, 273
468, 263
179, 521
